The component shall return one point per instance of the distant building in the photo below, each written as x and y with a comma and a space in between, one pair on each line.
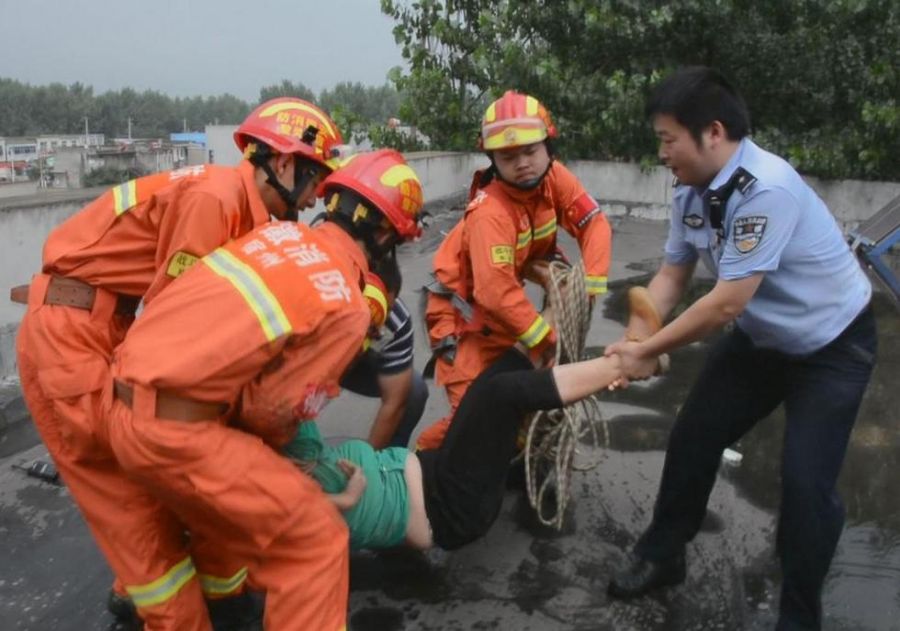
13, 170
49, 143
188, 138
20, 155
18, 148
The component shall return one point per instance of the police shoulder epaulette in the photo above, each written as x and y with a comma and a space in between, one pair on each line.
743, 180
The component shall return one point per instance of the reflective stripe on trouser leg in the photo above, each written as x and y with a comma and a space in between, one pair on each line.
163, 588
218, 586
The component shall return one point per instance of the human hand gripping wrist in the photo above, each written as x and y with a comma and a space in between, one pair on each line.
620, 382
635, 361
356, 481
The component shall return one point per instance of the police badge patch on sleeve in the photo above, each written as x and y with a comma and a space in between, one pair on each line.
748, 232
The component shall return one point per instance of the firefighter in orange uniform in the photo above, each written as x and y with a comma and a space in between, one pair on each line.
216, 373
477, 307
98, 265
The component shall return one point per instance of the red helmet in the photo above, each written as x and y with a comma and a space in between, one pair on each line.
291, 125
383, 179
514, 120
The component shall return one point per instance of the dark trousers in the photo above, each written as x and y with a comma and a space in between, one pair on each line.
738, 386
465, 479
362, 378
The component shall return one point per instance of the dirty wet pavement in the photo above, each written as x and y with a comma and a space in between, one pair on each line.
524, 575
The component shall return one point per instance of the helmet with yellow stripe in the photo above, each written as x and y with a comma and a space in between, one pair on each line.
377, 196
291, 125
515, 120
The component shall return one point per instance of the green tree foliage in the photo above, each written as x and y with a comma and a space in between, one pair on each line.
363, 112
371, 104
27, 110
286, 88
821, 77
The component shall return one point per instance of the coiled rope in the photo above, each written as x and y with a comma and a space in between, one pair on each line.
553, 436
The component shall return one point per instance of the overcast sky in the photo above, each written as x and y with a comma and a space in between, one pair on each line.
196, 47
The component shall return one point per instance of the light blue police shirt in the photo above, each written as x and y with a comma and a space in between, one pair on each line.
813, 286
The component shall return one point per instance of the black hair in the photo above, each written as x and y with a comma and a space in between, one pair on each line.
696, 96
388, 271
342, 204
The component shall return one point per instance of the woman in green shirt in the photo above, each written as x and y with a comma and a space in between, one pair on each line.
448, 496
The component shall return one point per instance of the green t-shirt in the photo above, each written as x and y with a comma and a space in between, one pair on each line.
379, 519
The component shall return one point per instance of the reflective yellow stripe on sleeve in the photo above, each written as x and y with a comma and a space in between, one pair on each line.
595, 285
535, 333
542, 232
124, 196
221, 586
163, 588
271, 316
523, 239
374, 293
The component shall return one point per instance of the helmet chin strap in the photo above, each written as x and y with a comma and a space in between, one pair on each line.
376, 251
304, 173
528, 185
364, 227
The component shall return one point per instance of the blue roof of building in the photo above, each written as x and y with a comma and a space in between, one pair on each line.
196, 137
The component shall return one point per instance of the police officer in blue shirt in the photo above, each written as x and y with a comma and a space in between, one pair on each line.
804, 336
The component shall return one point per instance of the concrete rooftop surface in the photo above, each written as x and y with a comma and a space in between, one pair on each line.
523, 575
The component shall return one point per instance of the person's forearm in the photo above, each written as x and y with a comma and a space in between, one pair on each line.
385, 424
703, 317
576, 381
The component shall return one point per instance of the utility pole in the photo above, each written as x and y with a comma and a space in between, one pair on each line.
86, 166
184, 125
129, 128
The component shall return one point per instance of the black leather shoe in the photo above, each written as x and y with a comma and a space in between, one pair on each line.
642, 576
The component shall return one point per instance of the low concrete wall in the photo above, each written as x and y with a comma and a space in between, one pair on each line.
25, 223
626, 189
622, 190
15, 189
445, 174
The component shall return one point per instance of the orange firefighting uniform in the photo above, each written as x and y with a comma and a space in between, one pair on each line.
482, 261
128, 244
265, 326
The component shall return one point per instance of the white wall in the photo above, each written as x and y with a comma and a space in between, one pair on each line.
442, 173
220, 141
23, 230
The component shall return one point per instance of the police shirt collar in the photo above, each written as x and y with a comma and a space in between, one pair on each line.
725, 173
